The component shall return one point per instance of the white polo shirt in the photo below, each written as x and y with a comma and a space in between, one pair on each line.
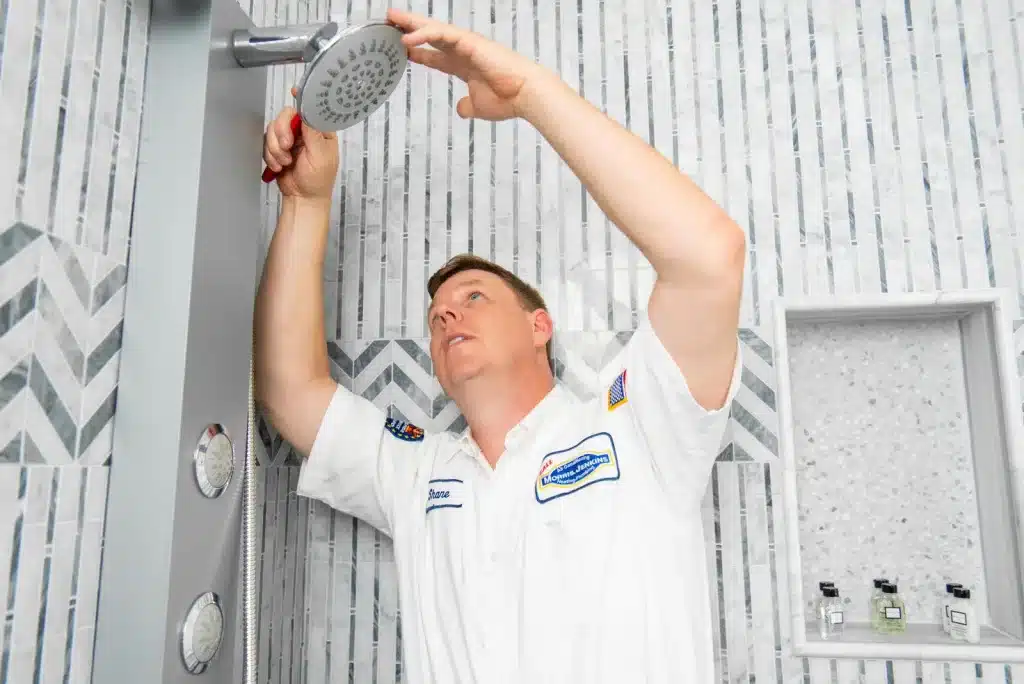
579, 558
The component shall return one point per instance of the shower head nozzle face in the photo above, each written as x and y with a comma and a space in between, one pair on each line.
352, 75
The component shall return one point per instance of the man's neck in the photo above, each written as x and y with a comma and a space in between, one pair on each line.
492, 406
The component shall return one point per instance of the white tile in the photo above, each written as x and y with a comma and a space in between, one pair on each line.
848, 671
343, 601
45, 111
904, 672
989, 134
266, 523
397, 120
101, 154
782, 142
992, 673
504, 160
88, 589
959, 143
440, 122
820, 670
14, 81
571, 224
387, 621
886, 158
764, 605
936, 153
836, 187
729, 513
81, 655
128, 147
906, 114
75, 140
317, 593
28, 593
65, 535
416, 222
933, 673
461, 170
960, 673
874, 671
364, 606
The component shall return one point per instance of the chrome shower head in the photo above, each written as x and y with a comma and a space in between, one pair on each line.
351, 72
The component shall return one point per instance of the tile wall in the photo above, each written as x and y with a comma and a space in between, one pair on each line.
865, 146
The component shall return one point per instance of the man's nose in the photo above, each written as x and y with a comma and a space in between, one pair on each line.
449, 315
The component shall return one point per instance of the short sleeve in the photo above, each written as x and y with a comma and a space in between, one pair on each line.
357, 463
682, 437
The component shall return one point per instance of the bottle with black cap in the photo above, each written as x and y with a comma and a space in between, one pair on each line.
819, 602
830, 614
947, 600
893, 614
876, 596
963, 624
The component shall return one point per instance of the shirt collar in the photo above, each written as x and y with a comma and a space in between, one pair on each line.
529, 425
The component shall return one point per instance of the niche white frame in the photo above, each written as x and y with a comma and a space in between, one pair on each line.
994, 407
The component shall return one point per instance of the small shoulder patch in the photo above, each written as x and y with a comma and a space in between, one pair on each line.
403, 430
617, 392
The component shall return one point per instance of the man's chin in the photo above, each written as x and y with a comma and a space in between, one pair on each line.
461, 376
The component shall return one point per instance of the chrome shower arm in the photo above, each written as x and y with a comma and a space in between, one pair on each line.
280, 44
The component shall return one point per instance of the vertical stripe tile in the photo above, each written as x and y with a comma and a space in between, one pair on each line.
364, 605
573, 214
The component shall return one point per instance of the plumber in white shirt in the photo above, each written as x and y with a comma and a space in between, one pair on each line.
555, 540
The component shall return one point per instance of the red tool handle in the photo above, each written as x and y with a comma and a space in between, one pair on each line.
268, 173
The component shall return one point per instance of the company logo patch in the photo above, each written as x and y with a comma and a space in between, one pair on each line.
403, 430
617, 392
570, 470
444, 493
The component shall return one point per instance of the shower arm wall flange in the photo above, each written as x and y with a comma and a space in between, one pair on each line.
274, 45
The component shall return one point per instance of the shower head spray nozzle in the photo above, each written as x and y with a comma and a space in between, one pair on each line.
351, 71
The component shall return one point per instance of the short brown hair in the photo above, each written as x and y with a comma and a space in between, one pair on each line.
529, 298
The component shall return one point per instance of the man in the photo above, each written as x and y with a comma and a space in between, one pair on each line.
555, 541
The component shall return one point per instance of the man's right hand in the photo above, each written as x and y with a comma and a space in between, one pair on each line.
306, 167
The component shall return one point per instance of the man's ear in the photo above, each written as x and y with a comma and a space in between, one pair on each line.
543, 327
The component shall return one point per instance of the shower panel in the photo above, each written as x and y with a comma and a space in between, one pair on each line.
173, 596
170, 595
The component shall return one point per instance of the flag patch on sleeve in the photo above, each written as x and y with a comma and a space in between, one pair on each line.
403, 430
617, 392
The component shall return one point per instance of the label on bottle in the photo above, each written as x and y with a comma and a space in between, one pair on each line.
836, 617
958, 618
893, 613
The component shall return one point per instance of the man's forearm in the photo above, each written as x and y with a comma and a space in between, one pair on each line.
290, 341
678, 228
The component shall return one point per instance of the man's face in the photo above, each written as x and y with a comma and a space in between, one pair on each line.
477, 322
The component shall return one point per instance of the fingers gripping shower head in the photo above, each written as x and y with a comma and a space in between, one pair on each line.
351, 73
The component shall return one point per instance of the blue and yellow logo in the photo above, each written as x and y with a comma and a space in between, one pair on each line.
570, 470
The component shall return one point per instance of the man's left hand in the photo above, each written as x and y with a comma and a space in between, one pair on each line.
499, 79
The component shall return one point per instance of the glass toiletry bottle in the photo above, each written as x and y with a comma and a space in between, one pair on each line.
876, 596
893, 613
947, 600
830, 614
963, 623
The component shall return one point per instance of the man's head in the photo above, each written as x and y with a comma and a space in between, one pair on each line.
483, 317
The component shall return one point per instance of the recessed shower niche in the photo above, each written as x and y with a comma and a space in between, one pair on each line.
900, 437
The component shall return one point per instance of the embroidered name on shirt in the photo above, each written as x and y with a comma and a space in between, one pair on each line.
403, 430
617, 392
444, 493
570, 470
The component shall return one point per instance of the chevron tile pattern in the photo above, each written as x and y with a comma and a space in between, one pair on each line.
62, 334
